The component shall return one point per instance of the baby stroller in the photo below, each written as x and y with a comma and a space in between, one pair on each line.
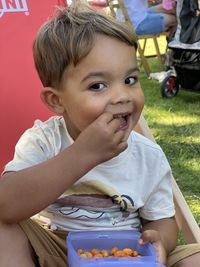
185, 71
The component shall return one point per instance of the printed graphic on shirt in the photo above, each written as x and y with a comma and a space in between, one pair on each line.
94, 200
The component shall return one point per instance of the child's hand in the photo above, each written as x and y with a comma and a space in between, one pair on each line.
102, 139
154, 237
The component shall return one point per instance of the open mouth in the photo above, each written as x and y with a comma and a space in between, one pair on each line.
124, 120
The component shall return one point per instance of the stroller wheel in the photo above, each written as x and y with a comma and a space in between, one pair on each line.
169, 87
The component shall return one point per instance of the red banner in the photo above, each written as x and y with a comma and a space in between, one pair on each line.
20, 102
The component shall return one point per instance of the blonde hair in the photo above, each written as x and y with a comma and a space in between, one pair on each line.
69, 36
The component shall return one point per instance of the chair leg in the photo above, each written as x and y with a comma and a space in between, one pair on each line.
144, 45
144, 60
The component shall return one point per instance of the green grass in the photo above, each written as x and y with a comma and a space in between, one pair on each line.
175, 124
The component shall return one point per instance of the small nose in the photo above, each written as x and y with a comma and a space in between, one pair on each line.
120, 95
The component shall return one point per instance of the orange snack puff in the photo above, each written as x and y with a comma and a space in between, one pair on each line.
83, 255
88, 254
94, 251
127, 251
104, 253
135, 253
119, 253
99, 255
80, 251
113, 250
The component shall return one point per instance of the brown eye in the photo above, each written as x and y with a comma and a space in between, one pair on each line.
97, 87
131, 80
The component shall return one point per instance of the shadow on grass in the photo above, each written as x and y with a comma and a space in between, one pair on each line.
189, 96
175, 131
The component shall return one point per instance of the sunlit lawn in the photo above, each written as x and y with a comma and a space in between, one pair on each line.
175, 124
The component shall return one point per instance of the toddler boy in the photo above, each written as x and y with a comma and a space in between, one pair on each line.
85, 169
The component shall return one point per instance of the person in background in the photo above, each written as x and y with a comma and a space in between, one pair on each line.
151, 20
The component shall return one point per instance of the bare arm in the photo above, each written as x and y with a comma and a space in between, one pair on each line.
26, 192
162, 234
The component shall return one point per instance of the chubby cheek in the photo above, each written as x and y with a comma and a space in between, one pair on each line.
85, 113
137, 109
140, 102
140, 107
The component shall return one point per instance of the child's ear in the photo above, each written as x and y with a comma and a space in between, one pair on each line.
50, 97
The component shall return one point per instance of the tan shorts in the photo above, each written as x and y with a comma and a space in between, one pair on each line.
50, 246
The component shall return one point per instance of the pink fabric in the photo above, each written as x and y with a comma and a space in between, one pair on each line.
168, 4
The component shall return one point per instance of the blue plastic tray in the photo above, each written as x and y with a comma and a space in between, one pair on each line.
88, 240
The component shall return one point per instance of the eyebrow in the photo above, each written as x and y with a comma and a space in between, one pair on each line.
131, 70
101, 73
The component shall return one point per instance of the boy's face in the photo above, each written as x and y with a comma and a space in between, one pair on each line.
106, 80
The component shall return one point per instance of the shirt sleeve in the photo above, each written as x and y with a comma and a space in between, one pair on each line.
33, 147
159, 203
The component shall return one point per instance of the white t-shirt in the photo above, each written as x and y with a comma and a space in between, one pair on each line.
115, 194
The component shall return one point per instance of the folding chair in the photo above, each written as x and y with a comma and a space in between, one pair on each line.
20, 104
118, 6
